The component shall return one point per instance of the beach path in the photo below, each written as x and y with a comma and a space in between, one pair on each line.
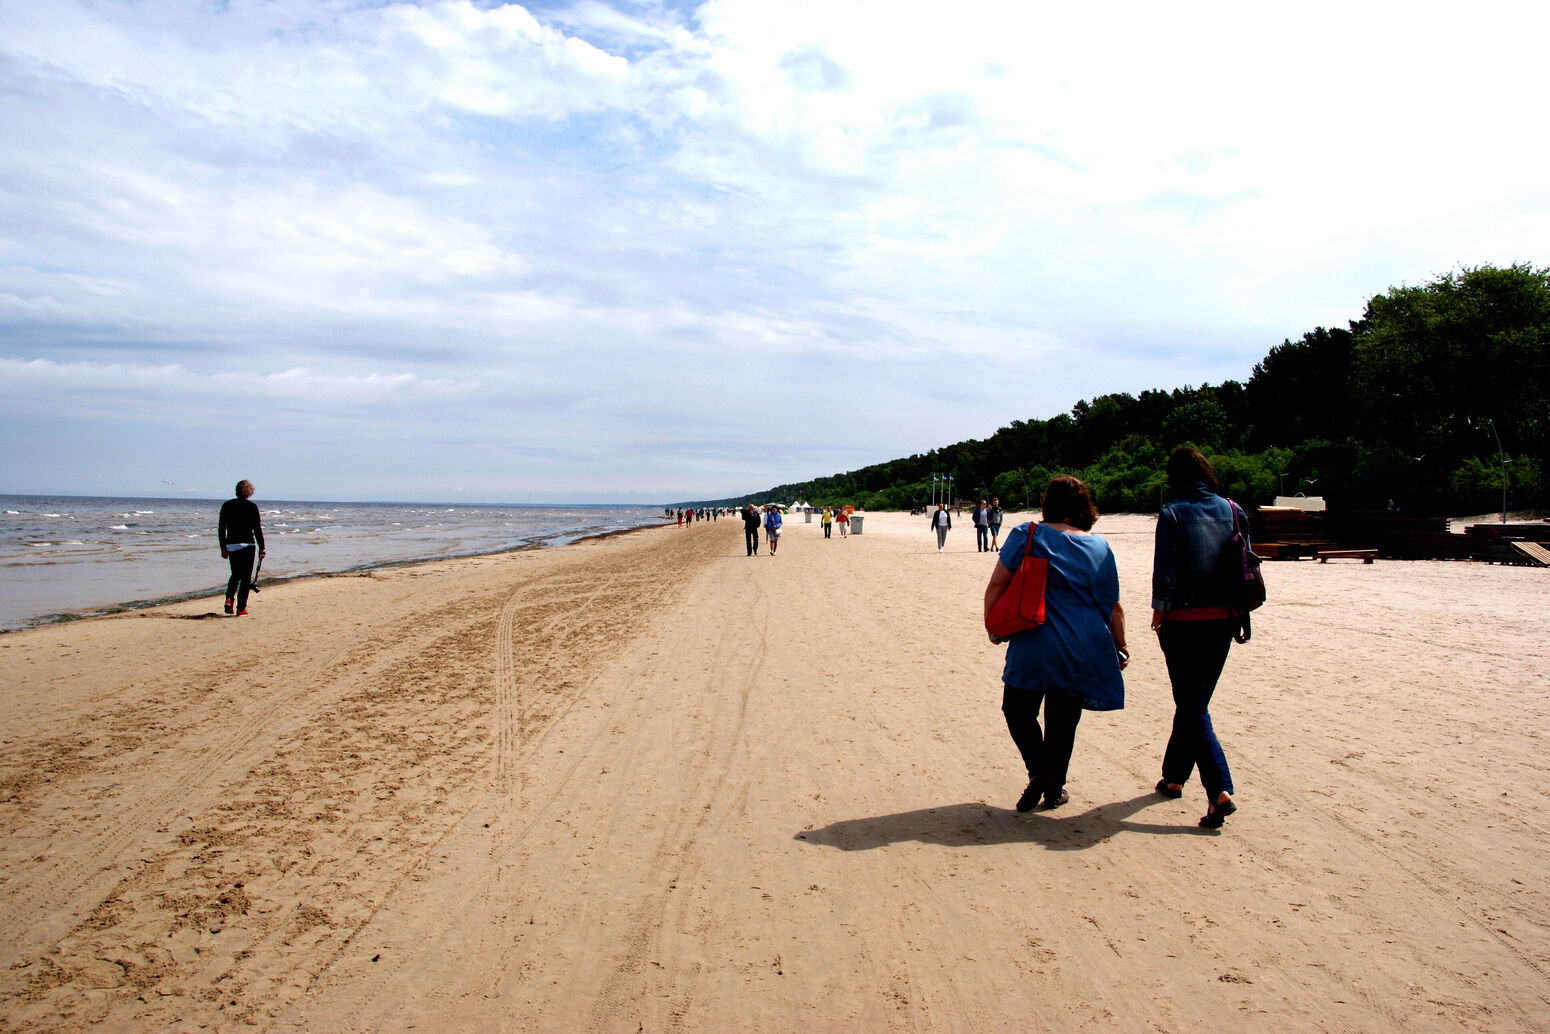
650, 783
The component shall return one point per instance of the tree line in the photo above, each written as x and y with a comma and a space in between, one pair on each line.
1420, 401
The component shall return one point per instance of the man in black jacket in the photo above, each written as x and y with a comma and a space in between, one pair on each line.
942, 521
751, 529
241, 534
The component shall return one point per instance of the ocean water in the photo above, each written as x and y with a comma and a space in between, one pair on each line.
71, 555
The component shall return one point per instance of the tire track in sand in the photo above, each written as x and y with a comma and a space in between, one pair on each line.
673, 862
37, 910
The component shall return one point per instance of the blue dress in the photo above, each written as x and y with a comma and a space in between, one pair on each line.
1072, 652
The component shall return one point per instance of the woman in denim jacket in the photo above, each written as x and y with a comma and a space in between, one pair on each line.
1193, 625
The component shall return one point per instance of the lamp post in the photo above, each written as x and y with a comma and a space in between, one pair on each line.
1283, 481
1503, 454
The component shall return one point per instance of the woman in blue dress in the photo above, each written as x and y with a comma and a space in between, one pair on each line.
1073, 661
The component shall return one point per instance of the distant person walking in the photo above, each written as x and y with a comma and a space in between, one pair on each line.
842, 517
241, 533
1073, 661
942, 521
772, 523
995, 524
751, 529
828, 522
1193, 624
982, 527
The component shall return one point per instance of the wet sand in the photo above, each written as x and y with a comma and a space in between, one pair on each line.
649, 783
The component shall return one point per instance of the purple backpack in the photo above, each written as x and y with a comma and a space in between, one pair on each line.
1239, 568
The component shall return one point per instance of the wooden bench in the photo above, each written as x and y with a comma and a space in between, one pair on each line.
1366, 556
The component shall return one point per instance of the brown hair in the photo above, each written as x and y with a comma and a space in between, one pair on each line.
1189, 466
1067, 501
244, 484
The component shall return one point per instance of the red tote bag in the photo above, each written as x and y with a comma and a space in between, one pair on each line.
1021, 604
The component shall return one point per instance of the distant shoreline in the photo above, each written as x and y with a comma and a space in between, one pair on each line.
358, 571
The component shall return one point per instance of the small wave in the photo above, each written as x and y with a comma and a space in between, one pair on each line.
120, 527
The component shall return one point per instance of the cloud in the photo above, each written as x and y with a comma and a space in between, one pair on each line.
172, 380
533, 229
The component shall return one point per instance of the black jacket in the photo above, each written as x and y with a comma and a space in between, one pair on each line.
240, 523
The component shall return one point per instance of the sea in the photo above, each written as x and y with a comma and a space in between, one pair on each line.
73, 556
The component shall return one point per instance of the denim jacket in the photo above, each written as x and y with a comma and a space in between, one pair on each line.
1192, 528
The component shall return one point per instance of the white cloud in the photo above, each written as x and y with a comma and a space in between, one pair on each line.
173, 382
580, 222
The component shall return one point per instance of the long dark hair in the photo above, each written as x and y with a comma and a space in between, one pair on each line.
1188, 466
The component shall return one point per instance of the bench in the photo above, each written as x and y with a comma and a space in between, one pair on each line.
1366, 556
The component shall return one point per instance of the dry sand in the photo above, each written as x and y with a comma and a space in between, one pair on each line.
649, 783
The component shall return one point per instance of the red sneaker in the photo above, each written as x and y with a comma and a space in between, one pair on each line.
242, 613
229, 604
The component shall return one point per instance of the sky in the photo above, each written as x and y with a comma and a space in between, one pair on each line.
646, 251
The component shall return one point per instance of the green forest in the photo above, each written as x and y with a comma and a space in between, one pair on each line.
1419, 401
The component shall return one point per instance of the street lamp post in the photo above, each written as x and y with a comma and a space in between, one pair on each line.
1503, 454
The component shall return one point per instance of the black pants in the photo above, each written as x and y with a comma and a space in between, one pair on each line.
1046, 755
982, 537
751, 536
826, 529
241, 581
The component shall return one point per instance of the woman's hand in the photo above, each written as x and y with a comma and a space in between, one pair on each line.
1117, 632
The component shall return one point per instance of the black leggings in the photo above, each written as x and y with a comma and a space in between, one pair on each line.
241, 581
1046, 755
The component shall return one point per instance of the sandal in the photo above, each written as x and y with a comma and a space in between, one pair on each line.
1168, 789
1217, 814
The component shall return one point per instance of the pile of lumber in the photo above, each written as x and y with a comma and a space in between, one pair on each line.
1285, 533
1512, 543
1288, 533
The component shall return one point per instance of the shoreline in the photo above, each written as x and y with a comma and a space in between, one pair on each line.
53, 619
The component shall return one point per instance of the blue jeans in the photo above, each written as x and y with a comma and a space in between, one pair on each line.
982, 536
1196, 652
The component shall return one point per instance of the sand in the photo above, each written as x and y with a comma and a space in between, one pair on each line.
647, 783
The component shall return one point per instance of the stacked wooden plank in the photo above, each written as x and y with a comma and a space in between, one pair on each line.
1287, 533
1401, 536
1283, 533
1500, 542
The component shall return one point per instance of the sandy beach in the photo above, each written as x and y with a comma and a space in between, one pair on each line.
647, 783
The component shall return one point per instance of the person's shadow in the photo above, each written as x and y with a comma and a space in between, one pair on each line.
976, 823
